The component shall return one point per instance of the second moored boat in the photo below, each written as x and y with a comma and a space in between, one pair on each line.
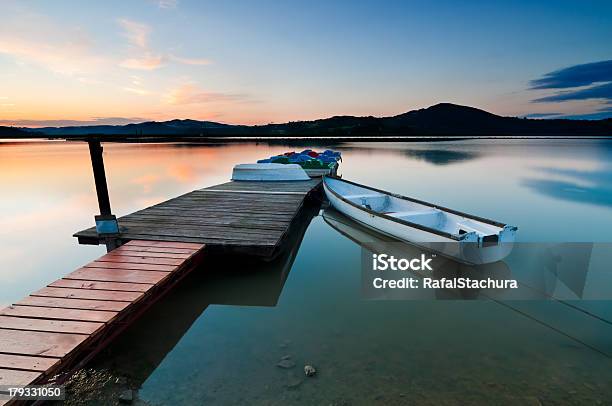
465, 237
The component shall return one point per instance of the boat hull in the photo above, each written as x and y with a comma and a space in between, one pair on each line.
468, 252
317, 173
269, 172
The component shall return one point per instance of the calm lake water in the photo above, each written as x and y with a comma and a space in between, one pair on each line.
218, 337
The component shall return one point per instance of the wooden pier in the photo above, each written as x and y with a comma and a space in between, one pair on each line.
245, 217
61, 326
57, 329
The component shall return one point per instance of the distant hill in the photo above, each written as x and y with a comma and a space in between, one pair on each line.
12, 132
172, 127
444, 119
452, 119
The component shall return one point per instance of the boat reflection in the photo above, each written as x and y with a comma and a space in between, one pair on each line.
543, 271
443, 267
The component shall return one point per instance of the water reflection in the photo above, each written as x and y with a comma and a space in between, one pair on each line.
592, 187
543, 272
222, 280
373, 242
441, 156
385, 352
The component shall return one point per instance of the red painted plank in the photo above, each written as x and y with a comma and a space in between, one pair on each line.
147, 254
108, 295
57, 314
29, 363
119, 265
156, 250
118, 275
39, 343
167, 244
17, 378
101, 285
84, 304
57, 319
133, 259
58, 326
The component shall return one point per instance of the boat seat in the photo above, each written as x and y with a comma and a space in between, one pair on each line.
371, 201
410, 212
362, 196
426, 217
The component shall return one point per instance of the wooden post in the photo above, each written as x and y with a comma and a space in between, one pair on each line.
106, 222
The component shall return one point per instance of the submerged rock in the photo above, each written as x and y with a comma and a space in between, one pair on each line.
126, 396
286, 363
309, 370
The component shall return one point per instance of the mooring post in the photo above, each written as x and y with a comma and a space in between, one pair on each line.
106, 223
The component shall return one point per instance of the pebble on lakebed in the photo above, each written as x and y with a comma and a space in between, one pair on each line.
309, 370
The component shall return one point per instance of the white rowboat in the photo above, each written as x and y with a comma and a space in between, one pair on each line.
465, 237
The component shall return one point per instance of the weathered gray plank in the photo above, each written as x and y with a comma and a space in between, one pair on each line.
209, 229
246, 222
243, 215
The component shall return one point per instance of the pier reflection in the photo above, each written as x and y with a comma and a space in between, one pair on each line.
222, 280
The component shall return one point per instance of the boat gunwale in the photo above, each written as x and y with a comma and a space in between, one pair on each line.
405, 222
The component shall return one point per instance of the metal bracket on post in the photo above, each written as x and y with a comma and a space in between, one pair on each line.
107, 226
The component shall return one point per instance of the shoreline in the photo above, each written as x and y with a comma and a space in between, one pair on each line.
272, 139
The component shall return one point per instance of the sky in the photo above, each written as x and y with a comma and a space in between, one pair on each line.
251, 62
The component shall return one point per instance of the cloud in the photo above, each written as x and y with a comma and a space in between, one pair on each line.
167, 3
542, 115
191, 94
190, 61
137, 90
63, 123
67, 55
575, 76
136, 33
144, 57
64, 47
603, 92
589, 81
144, 62
136, 86
596, 115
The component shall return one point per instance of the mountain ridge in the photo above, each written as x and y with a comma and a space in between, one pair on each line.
442, 119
